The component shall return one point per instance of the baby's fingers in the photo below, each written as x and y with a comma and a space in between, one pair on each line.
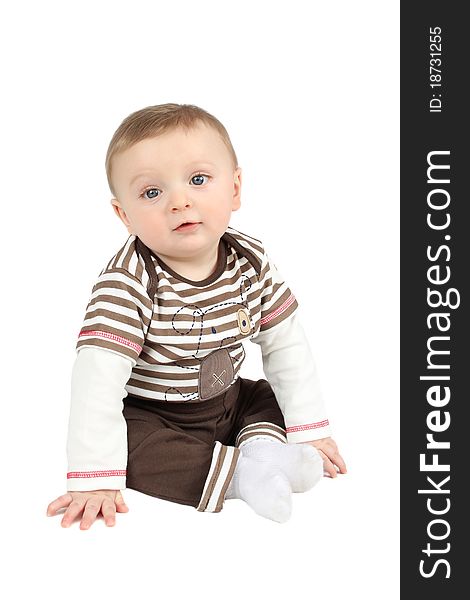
109, 512
335, 458
58, 503
328, 466
92, 508
121, 506
72, 511
340, 463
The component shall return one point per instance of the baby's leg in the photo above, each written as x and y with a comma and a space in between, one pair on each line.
262, 437
169, 462
262, 487
300, 463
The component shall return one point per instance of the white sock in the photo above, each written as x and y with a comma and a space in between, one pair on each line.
262, 487
300, 463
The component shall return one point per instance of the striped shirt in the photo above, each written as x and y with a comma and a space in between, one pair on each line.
168, 329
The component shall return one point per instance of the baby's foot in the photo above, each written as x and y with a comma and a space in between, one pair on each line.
262, 487
300, 463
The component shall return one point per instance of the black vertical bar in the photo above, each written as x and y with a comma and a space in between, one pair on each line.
435, 258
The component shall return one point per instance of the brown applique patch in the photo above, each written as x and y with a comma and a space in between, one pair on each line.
215, 374
243, 321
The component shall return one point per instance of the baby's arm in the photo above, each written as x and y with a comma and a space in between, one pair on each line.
290, 369
97, 432
97, 437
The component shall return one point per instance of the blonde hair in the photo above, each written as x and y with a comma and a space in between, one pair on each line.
155, 120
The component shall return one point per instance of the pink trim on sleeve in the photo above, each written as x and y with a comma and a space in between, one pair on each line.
88, 474
113, 337
279, 310
295, 428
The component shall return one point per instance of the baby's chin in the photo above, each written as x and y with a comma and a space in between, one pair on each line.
184, 246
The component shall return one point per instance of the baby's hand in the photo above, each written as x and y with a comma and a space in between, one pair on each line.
329, 452
91, 503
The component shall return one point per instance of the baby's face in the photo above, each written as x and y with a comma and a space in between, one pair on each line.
164, 183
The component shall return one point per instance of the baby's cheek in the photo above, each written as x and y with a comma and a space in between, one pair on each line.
152, 233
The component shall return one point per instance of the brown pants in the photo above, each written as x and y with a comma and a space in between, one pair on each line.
186, 452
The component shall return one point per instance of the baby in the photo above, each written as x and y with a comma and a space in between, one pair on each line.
157, 401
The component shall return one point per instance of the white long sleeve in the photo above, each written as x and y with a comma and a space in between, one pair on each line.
97, 431
290, 370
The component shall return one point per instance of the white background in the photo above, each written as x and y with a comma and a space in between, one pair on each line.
309, 93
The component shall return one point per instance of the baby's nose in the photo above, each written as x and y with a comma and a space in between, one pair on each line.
179, 202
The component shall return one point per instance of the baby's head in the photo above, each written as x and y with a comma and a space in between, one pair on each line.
168, 166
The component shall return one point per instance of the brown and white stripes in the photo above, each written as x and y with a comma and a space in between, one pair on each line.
260, 429
224, 460
169, 335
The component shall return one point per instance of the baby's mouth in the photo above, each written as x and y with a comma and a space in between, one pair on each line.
187, 225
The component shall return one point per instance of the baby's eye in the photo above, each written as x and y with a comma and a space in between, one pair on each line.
152, 193
197, 178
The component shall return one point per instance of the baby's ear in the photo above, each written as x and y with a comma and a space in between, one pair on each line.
121, 213
237, 188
